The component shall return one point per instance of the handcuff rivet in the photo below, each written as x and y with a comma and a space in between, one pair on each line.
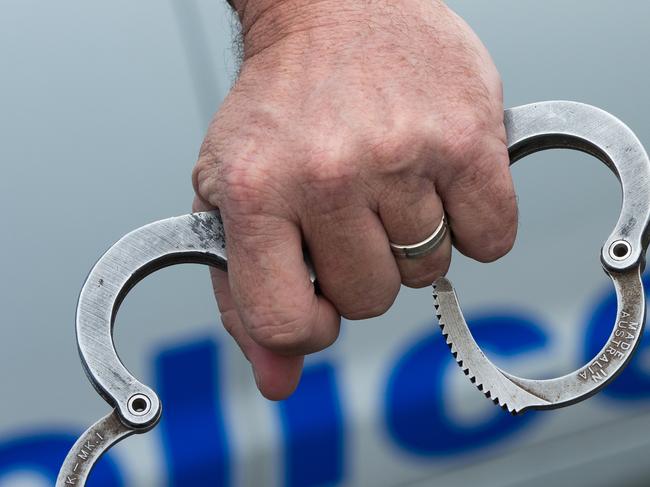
620, 250
139, 404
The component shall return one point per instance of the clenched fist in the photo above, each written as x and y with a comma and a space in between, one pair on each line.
352, 124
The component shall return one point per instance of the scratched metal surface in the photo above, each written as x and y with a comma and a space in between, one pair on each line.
89, 447
103, 108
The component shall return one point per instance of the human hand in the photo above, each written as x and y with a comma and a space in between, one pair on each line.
352, 124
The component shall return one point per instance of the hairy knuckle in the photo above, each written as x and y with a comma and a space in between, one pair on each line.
393, 150
210, 148
242, 184
465, 140
253, 190
203, 178
240, 180
482, 169
328, 170
206, 174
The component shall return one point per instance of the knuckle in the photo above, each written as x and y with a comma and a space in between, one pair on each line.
254, 192
242, 185
229, 320
364, 313
206, 174
210, 149
251, 189
328, 171
480, 165
497, 244
237, 180
464, 142
394, 150
203, 178
277, 331
328, 187
425, 278
420, 281
370, 306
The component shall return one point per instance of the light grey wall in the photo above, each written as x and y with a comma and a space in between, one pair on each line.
100, 125
103, 106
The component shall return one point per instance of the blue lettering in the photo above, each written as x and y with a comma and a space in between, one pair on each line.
192, 426
313, 432
414, 412
43, 453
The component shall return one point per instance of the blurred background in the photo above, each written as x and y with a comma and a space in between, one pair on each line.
103, 106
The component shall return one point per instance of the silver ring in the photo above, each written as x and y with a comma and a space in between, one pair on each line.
424, 247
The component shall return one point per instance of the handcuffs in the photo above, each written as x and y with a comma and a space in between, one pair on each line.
199, 238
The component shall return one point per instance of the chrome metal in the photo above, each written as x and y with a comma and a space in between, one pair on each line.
426, 246
196, 238
620, 250
199, 238
139, 405
89, 448
570, 125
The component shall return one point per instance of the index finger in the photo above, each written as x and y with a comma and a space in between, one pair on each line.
271, 288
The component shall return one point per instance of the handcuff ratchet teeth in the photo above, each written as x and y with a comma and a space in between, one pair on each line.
570, 125
199, 238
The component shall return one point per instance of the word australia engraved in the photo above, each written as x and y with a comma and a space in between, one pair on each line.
618, 348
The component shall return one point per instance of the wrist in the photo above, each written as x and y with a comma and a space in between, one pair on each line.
268, 22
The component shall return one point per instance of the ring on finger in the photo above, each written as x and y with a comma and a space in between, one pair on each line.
425, 247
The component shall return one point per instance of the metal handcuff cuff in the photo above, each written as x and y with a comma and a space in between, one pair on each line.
199, 238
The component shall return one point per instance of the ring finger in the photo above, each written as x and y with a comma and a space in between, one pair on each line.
413, 214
